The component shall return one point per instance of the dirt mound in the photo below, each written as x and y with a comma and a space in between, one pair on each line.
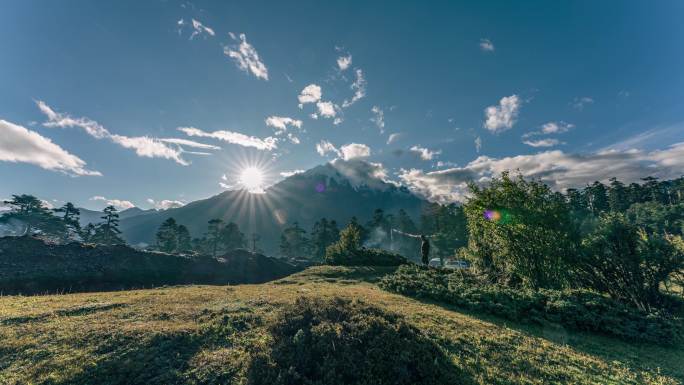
31, 266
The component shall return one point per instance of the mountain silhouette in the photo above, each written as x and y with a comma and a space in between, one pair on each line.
337, 190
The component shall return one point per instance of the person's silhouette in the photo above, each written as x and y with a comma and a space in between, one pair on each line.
425, 249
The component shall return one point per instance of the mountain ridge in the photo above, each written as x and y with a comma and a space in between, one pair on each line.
303, 198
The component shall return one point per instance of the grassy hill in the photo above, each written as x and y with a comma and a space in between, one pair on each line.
216, 334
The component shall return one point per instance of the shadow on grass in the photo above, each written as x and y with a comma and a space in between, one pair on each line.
71, 312
635, 355
160, 360
165, 357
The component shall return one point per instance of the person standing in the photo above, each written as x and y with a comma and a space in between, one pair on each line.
425, 249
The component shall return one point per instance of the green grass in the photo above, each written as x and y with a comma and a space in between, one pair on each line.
210, 335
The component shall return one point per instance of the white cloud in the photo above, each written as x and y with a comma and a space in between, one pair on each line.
355, 150
503, 117
310, 94
359, 88
144, 146
424, 153
199, 28
287, 174
478, 144
579, 103
56, 119
18, 144
326, 109
394, 137
190, 143
246, 57
542, 142
360, 172
378, 118
556, 127
651, 138
118, 203
268, 143
324, 147
280, 123
486, 45
441, 163
165, 204
555, 168
148, 147
551, 128
343, 62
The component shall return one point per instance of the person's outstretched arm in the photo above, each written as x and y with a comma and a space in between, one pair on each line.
407, 234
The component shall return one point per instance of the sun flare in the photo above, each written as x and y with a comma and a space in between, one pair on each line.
252, 178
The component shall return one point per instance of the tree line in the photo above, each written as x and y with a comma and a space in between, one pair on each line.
29, 215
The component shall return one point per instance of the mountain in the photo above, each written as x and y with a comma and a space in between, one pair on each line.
338, 190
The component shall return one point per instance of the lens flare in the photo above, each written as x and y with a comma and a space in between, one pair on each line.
501, 216
492, 215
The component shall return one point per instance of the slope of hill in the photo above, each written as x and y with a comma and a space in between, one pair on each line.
302, 198
29, 266
219, 335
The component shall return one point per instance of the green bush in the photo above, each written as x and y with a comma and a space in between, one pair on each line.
365, 257
338, 341
582, 310
628, 263
347, 252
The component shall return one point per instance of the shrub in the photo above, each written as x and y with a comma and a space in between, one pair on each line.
629, 264
582, 310
347, 252
365, 257
520, 232
338, 341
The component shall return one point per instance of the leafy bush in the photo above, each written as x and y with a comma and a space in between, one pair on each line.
347, 252
628, 263
582, 310
365, 257
520, 232
338, 341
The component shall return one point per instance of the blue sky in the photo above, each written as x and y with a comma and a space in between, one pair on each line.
99, 100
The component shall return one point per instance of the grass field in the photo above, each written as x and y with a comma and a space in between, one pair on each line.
209, 334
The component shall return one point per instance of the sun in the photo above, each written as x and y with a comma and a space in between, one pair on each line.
252, 179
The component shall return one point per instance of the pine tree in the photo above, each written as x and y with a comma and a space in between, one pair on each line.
107, 232
363, 232
293, 242
184, 239
231, 237
213, 235
653, 190
617, 196
323, 234
597, 198
88, 233
167, 236
33, 215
